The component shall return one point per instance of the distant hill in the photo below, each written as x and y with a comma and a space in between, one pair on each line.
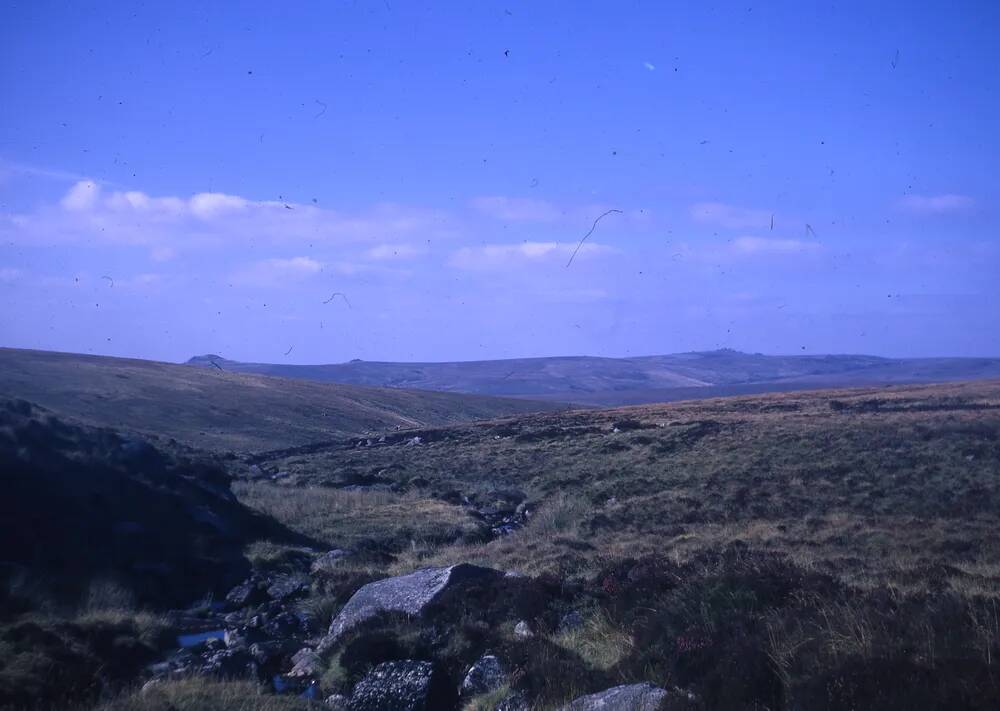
227, 411
628, 381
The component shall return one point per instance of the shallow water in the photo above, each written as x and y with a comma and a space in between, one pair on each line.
190, 640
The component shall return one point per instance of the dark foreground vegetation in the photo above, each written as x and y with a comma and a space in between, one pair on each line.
830, 550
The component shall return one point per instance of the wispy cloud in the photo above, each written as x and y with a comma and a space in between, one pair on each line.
8, 168
730, 216
88, 214
760, 245
499, 256
272, 272
936, 204
517, 209
389, 252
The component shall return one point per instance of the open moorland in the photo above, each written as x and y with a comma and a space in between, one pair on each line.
808, 550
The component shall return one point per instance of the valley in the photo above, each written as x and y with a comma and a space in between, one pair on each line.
787, 550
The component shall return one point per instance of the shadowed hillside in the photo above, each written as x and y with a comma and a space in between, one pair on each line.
223, 411
610, 382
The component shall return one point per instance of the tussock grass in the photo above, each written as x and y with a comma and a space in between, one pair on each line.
340, 518
599, 642
487, 702
202, 694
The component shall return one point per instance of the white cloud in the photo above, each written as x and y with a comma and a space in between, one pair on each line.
498, 256
935, 204
82, 196
209, 205
760, 245
729, 216
162, 254
88, 215
273, 272
517, 209
385, 252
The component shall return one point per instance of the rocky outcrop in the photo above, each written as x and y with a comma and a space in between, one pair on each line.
631, 697
402, 686
406, 594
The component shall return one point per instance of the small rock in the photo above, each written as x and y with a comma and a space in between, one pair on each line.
247, 593
287, 587
572, 620
630, 697
484, 676
402, 686
230, 663
523, 630
282, 626
329, 561
267, 653
307, 663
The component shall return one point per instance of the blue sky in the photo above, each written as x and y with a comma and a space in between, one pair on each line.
792, 178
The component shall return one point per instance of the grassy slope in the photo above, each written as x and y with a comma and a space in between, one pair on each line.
889, 482
225, 411
803, 550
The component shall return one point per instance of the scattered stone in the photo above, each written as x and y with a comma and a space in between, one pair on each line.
282, 626
523, 630
484, 676
307, 663
267, 654
230, 664
630, 697
329, 561
408, 594
234, 638
248, 593
572, 620
402, 686
287, 587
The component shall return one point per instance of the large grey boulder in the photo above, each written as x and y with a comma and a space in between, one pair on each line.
631, 697
401, 686
407, 594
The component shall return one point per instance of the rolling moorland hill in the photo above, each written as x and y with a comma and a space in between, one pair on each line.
225, 411
792, 550
827, 550
609, 382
